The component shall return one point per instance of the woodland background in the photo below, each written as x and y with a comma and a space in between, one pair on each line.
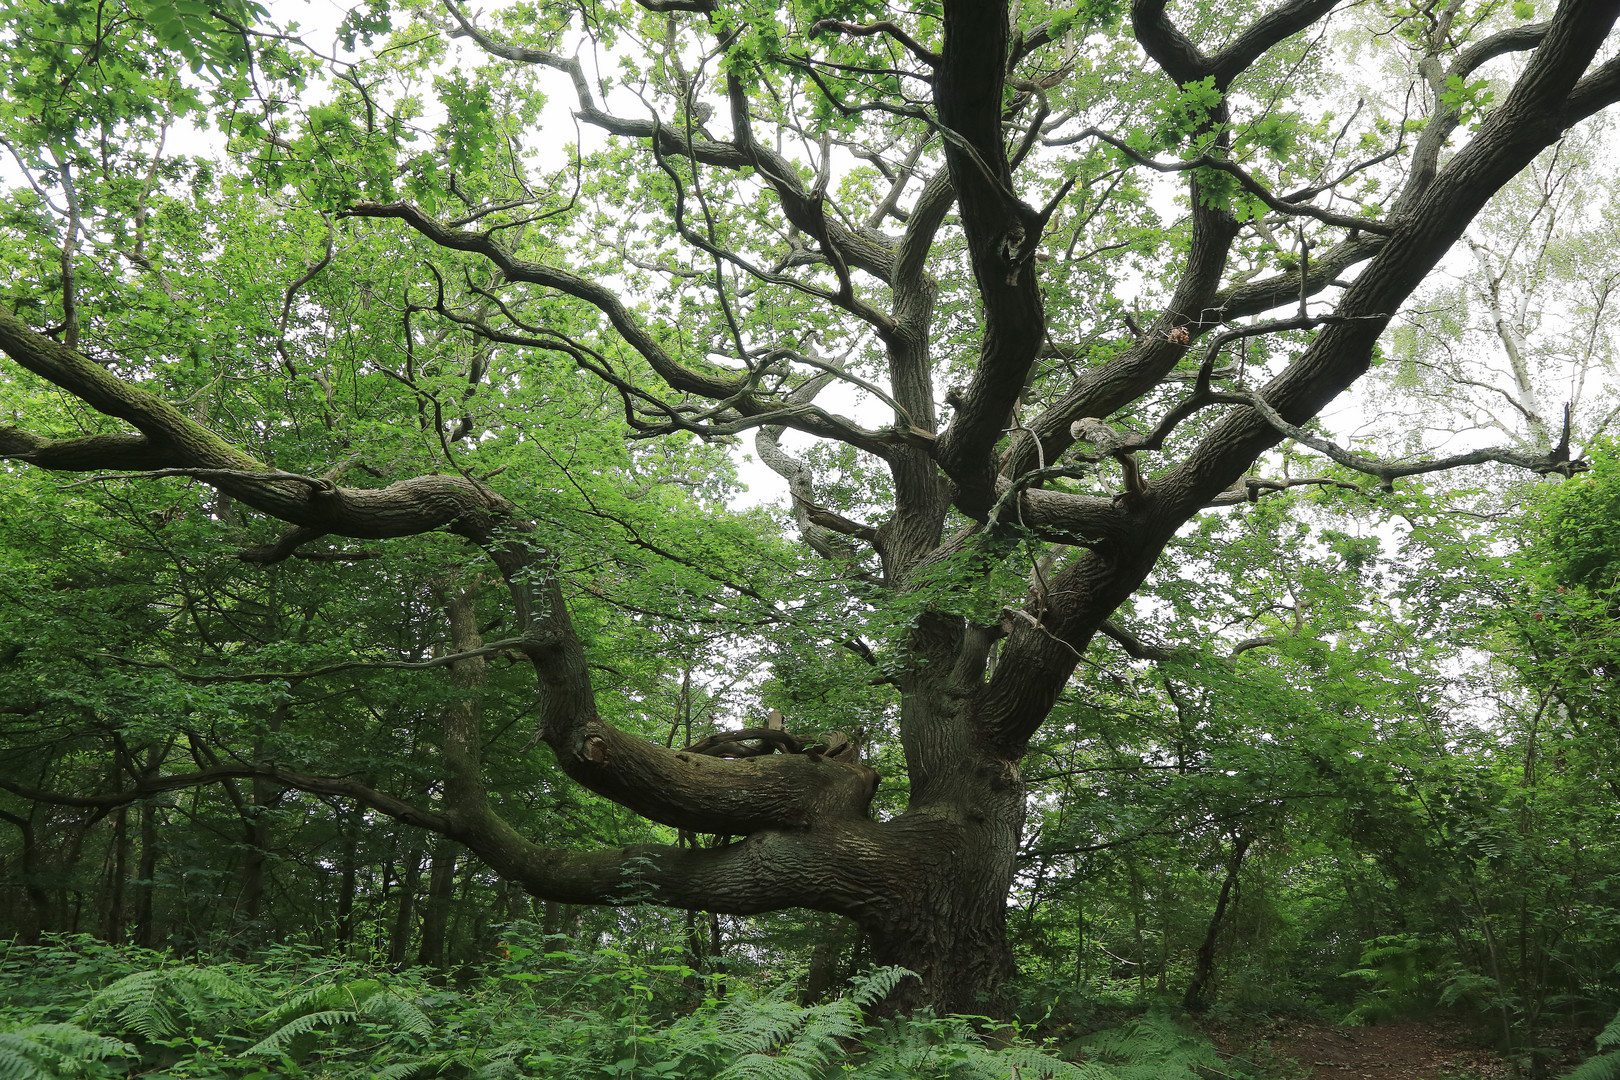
1372, 771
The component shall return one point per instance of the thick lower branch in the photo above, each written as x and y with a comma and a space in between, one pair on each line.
853, 869
707, 794
842, 868
83, 454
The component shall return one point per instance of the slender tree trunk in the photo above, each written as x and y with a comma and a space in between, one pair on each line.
1138, 924
1082, 965
1196, 997
399, 943
351, 875
146, 931
117, 879
256, 838
462, 741
511, 902
256, 835
1165, 936
36, 912
696, 948
560, 919
717, 956
436, 910
826, 961
71, 854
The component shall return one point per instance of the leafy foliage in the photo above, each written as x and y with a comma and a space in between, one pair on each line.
554, 1015
165, 1002
1371, 727
58, 1052
1602, 1066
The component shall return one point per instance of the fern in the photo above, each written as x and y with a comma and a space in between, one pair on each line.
754, 1025
281, 1041
827, 1030
502, 1063
765, 1067
1602, 1066
53, 1051
305, 1016
817, 1037
1610, 1035
403, 1015
1152, 1047
328, 995
164, 1002
336, 1021
869, 989
409, 1069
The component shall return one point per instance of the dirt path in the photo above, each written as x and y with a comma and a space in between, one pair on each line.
1400, 1050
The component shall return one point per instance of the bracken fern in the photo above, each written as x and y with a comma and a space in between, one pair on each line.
169, 1001
55, 1052
1152, 1047
332, 1005
1604, 1066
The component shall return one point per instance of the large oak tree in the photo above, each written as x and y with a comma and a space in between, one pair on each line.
987, 278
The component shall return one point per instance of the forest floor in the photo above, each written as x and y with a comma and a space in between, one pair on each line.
1439, 1049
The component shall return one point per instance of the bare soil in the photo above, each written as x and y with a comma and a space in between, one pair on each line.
1435, 1049
1398, 1050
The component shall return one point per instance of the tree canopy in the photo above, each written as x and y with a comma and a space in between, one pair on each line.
434, 375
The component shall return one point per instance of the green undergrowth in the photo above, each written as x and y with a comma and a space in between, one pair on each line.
1605, 1064
77, 1008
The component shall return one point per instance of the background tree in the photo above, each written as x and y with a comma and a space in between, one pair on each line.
942, 209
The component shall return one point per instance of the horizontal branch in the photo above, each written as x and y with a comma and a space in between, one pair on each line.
1138, 649
884, 27
1245, 179
492, 649
768, 872
1556, 460
117, 451
1324, 269
314, 482
827, 519
150, 787
1059, 516
1250, 488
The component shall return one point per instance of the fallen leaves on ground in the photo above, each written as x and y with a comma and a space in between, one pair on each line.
1408, 1049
